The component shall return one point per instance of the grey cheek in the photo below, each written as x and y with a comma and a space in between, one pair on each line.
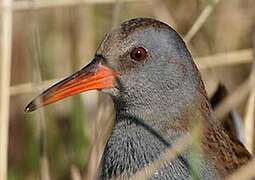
178, 76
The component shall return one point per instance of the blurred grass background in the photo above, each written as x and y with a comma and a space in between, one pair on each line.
51, 42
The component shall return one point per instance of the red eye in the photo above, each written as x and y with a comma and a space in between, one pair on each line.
138, 54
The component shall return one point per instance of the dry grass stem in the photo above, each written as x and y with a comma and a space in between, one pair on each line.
41, 123
116, 13
245, 173
235, 98
30, 87
161, 12
5, 78
225, 59
177, 148
101, 130
200, 20
249, 122
250, 112
44, 168
75, 173
26, 5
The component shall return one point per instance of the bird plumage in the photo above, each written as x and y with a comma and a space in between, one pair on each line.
159, 96
156, 104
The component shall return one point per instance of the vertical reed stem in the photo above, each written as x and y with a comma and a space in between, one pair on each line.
250, 110
5, 84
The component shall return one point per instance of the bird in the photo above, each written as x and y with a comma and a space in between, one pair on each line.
158, 95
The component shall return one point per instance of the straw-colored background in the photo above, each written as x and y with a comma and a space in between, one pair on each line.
45, 40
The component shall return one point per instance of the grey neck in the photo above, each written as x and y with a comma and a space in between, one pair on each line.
139, 138
160, 108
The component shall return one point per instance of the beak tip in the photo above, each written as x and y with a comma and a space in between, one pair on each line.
27, 110
30, 107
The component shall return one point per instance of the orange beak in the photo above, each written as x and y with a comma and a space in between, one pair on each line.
93, 76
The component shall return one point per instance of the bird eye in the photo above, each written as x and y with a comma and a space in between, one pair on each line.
138, 54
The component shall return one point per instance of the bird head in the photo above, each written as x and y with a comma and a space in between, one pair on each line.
143, 63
